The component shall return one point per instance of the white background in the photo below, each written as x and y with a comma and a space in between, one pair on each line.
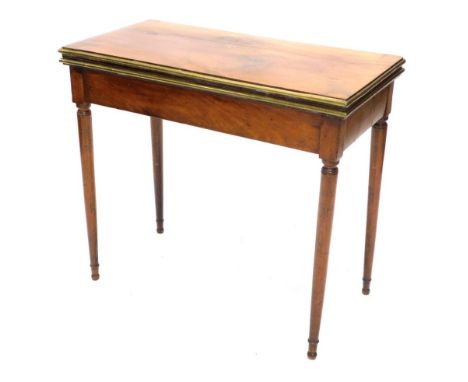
223, 294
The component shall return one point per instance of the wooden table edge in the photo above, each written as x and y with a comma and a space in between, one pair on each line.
278, 96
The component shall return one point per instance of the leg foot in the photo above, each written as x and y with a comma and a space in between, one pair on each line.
366, 286
160, 226
95, 272
312, 353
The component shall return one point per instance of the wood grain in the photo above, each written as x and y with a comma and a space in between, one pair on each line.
263, 122
330, 72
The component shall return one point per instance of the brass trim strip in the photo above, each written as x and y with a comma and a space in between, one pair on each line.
193, 85
376, 82
76, 55
72, 54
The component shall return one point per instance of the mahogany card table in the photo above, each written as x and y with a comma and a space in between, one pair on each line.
307, 97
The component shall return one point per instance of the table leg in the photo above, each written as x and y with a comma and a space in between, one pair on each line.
85, 131
322, 246
379, 134
157, 142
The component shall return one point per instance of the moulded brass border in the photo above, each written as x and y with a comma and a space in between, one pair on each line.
77, 54
390, 72
103, 58
170, 81
194, 80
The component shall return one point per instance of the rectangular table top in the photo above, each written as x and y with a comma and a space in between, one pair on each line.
312, 77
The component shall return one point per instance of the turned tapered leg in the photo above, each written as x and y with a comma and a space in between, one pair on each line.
85, 130
379, 134
157, 142
322, 246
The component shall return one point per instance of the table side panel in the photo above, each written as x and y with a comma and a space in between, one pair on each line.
367, 114
256, 120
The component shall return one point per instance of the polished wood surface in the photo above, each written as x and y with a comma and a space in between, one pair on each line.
379, 135
332, 72
268, 123
301, 96
320, 79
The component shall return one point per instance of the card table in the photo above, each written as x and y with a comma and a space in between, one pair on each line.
313, 98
